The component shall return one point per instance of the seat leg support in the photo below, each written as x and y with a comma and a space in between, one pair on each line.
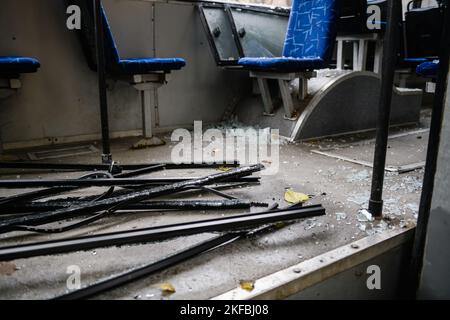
147, 86
303, 87
288, 102
378, 56
340, 55
355, 55
362, 55
147, 100
265, 94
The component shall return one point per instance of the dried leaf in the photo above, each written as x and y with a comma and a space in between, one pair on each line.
225, 169
295, 197
247, 285
167, 288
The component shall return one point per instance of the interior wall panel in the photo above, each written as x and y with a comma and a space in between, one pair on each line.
61, 99
202, 90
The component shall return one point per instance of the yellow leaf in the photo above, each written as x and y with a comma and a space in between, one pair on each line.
167, 288
225, 169
247, 285
295, 197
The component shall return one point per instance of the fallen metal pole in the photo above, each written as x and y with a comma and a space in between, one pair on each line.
39, 194
384, 107
157, 233
150, 269
85, 183
146, 205
163, 264
116, 203
106, 167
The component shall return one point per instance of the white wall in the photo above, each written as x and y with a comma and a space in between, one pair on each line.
61, 100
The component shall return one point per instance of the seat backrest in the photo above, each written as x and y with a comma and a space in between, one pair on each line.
311, 29
87, 36
423, 30
351, 16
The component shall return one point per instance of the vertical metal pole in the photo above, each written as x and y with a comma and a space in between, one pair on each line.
432, 154
101, 71
384, 108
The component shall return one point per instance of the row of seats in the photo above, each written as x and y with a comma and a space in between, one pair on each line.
308, 45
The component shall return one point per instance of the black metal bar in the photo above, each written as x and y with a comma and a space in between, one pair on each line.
101, 72
42, 193
42, 183
156, 233
8, 225
150, 269
146, 205
4, 209
106, 167
139, 172
39, 194
432, 154
384, 109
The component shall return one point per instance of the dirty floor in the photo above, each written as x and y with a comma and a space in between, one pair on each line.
342, 187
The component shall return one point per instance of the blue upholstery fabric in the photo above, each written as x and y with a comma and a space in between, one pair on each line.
416, 60
110, 44
136, 65
309, 39
428, 69
17, 65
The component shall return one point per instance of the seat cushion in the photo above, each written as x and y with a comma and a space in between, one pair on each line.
282, 64
143, 66
17, 65
428, 69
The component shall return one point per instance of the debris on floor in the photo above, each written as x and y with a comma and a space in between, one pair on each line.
48, 210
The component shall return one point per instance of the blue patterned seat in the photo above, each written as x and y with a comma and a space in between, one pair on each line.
428, 69
17, 65
309, 39
136, 65
114, 64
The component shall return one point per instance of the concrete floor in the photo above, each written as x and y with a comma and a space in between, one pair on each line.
342, 187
